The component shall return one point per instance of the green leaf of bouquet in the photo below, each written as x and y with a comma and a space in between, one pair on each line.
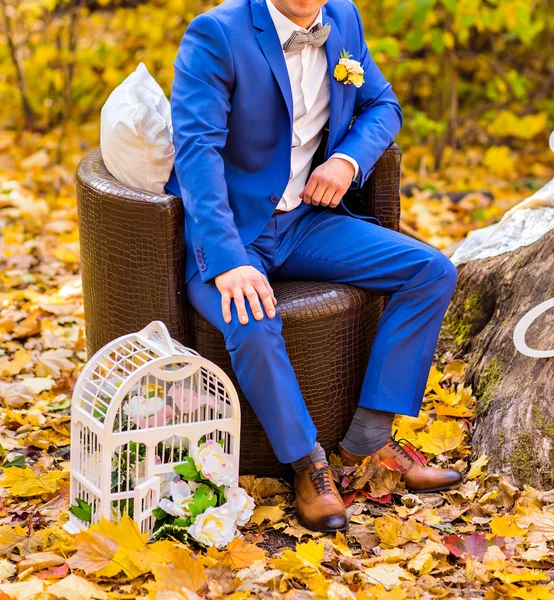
159, 513
82, 510
220, 492
179, 522
169, 531
204, 497
187, 469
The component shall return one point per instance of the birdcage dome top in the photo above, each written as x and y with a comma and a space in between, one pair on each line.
122, 371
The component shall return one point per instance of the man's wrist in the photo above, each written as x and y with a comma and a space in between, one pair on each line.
351, 160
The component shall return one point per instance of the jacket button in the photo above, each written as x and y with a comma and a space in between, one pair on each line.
275, 198
202, 266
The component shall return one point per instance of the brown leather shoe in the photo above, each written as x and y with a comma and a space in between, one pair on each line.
417, 476
318, 502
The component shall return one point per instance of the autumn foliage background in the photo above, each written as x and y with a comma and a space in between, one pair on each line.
475, 80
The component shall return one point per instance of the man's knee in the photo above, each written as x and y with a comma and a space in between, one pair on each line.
445, 272
256, 335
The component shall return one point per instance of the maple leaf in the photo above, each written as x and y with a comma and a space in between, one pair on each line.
365, 472
394, 532
534, 592
15, 395
52, 362
273, 514
407, 427
536, 553
454, 370
521, 575
385, 482
312, 552
441, 436
185, 571
540, 525
74, 587
95, 553
40, 560
20, 360
262, 487
108, 548
475, 545
26, 541
304, 562
25, 482
478, 467
382, 500
386, 575
433, 380
239, 554
506, 526
22, 590
379, 592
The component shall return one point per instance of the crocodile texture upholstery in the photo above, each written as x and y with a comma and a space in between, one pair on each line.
132, 261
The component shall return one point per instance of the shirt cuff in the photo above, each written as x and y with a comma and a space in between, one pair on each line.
350, 160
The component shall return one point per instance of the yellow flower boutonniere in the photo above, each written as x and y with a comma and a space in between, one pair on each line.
348, 70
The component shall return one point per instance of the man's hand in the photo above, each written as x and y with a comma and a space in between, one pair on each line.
245, 282
328, 183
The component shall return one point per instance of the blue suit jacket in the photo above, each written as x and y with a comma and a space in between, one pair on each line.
231, 106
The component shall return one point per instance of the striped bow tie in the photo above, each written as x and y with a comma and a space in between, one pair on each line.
315, 37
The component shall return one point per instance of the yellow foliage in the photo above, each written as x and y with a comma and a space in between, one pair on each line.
498, 159
25, 482
441, 436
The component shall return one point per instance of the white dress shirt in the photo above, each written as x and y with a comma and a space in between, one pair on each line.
309, 80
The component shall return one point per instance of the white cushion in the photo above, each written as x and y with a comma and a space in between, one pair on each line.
136, 134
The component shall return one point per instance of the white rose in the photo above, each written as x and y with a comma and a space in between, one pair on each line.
241, 502
215, 526
182, 495
165, 481
139, 406
353, 66
215, 464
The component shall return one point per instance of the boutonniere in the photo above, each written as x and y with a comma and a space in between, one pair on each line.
348, 70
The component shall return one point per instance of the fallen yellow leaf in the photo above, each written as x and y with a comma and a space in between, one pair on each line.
74, 587
25, 482
441, 436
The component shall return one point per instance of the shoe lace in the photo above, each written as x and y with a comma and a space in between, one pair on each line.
402, 443
322, 479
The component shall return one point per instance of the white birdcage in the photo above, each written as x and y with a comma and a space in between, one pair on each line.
140, 404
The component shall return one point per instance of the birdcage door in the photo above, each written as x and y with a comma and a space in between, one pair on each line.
146, 498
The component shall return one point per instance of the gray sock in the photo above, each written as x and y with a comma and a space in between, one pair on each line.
370, 429
316, 455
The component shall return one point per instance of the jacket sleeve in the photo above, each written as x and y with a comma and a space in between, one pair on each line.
200, 103
378, 115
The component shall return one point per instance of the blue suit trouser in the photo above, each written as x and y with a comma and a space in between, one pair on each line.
322, 245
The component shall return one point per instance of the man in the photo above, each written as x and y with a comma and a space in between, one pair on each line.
254, 89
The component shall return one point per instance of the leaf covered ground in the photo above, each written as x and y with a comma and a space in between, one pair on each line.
485, 539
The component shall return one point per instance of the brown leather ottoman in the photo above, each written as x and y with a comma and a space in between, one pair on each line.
132, 259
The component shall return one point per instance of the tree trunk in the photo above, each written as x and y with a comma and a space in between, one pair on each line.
515, 393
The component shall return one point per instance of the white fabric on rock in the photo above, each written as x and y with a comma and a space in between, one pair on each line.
521, 226
136, 135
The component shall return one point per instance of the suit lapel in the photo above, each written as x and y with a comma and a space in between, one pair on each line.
333, 45
271, 47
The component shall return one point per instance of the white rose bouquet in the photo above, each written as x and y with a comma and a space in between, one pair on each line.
206, 504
